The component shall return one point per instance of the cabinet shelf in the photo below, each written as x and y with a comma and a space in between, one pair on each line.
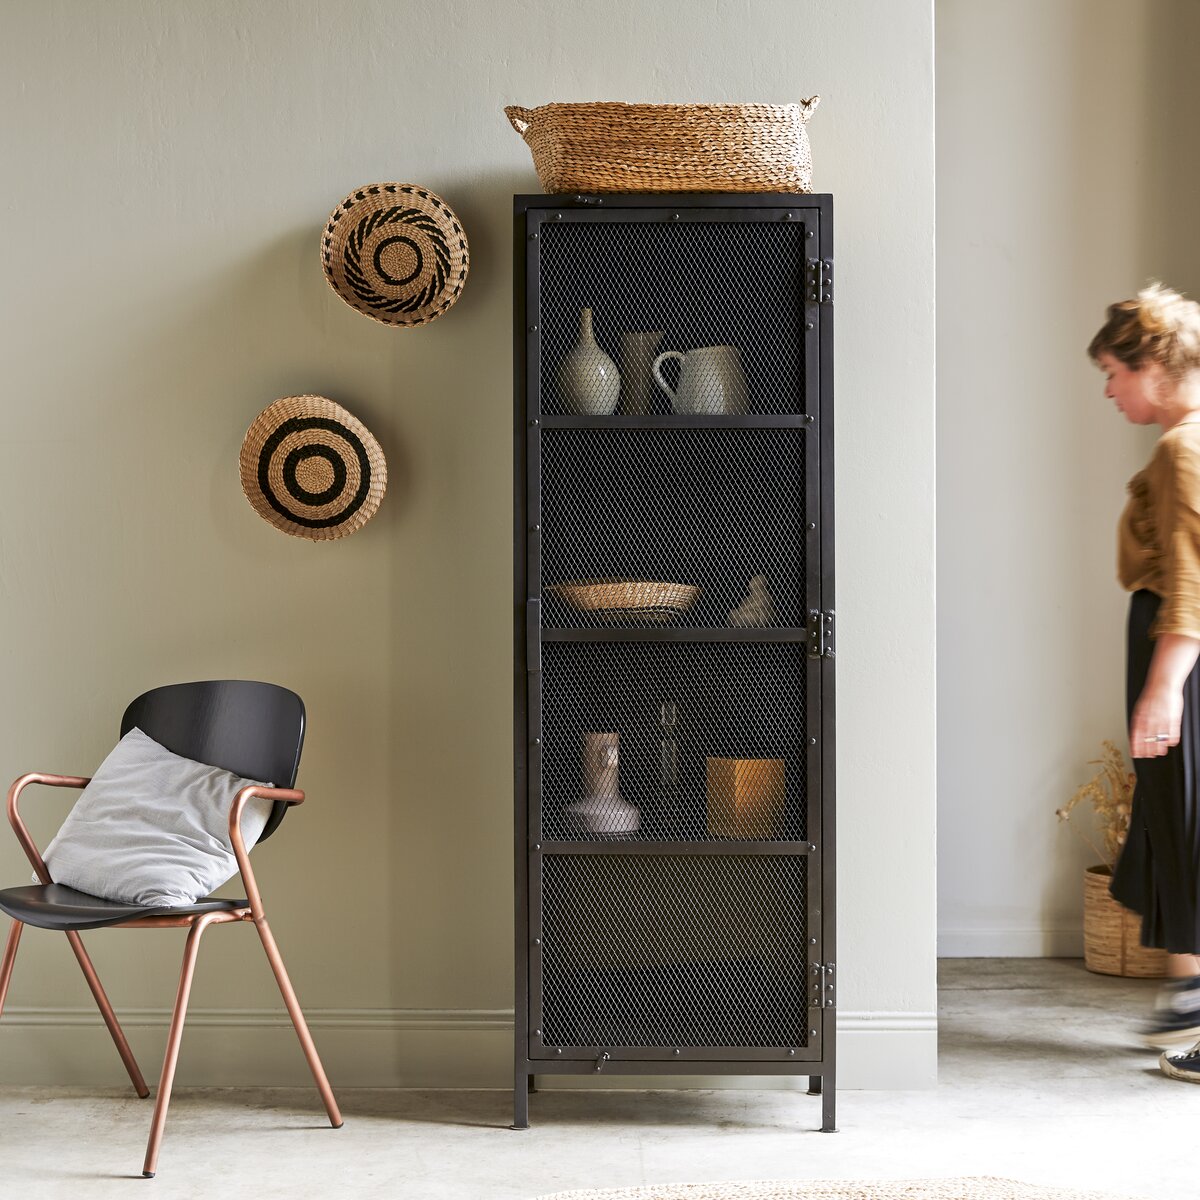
677, 421
660, 846
674, 633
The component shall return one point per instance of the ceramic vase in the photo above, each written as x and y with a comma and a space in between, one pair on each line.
758, 609
638, 349
588, 380
602, 810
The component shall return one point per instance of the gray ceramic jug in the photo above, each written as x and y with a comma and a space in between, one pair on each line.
711, 381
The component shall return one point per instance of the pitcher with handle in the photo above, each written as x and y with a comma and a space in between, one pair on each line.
711, 381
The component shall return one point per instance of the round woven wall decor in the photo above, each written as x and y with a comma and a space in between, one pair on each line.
312, 469
395, 252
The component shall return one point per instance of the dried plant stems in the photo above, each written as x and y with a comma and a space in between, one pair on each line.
1111, 796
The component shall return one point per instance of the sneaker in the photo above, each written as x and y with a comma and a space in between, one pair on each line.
1175, 1021
1184, 1066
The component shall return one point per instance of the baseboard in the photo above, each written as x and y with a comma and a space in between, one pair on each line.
1060, 942
401, 1048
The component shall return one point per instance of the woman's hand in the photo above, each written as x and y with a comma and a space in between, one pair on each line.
1159, 710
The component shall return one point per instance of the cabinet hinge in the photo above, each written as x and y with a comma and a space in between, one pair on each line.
820, 633
822, 988
820, 280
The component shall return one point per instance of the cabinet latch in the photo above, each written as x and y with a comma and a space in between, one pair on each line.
820, 633
822, 988
820, 281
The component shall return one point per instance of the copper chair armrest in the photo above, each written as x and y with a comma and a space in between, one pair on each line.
288, 796
14, 817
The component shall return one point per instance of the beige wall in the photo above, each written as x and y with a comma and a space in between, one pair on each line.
1065, 182
167, 170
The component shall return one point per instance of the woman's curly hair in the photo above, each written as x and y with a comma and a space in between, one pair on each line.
1157, 325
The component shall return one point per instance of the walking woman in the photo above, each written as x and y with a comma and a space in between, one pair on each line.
1149, 351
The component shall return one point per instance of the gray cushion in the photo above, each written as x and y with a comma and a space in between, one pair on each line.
152, 828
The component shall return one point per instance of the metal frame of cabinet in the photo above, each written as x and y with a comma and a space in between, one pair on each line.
594, 913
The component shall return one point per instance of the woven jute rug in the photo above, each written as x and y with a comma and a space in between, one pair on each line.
975, 1188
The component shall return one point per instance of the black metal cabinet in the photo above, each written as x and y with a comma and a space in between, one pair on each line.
674, 630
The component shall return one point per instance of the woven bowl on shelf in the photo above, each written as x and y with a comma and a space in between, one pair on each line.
640, 598
614, 147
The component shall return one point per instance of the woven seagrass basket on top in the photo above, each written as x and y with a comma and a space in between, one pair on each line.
614, 147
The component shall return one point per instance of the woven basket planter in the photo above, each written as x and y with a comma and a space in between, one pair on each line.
616, 147
1112, 934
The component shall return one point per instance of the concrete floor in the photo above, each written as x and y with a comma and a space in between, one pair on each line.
1041, 1080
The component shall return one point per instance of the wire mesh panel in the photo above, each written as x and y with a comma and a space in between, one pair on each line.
673, 951
679, 741
689, 526
712, 283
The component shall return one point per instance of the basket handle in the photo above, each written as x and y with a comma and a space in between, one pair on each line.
519, 118
808, 107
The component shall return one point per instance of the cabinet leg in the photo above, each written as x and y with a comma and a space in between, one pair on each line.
829, 1106
521, 1099
532, 1085
814, 1085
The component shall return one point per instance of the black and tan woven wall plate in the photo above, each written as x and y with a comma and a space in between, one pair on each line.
395, 252
312, 469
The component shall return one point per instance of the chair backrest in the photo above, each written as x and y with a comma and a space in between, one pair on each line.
253, 729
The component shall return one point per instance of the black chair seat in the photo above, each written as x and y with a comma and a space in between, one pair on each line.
52, 906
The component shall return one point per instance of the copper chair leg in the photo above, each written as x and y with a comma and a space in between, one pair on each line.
293, 1007
110, 1017
174, 1037
10, 957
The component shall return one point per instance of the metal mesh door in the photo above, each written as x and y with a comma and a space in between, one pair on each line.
673, 951
727, 757
702, 283
719, 510
674, 901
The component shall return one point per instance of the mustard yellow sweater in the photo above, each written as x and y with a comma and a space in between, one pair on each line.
1158, 539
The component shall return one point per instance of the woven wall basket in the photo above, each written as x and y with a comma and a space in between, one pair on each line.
312, 469
1112, 934
396, 253
615, 147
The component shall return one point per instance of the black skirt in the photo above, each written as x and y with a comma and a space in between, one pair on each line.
1158, 872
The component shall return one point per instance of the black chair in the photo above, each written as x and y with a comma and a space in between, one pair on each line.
255, 730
